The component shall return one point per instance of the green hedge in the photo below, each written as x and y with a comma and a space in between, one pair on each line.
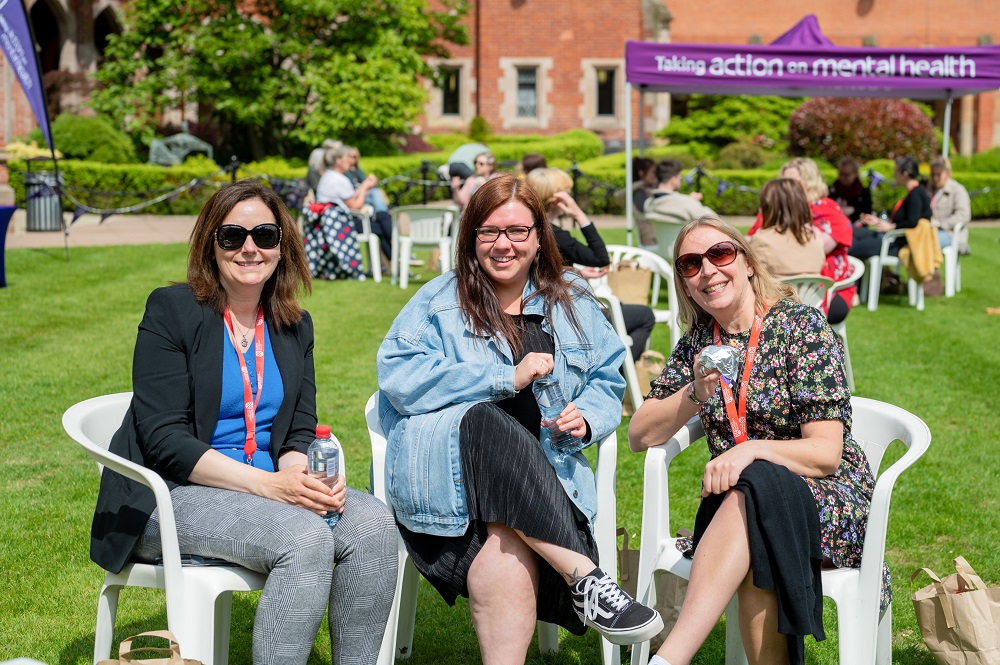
103, 179
581, 147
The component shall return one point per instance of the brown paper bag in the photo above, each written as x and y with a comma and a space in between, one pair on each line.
172, 653
628, 564
649, 367
959, 617
669, 599
630, 283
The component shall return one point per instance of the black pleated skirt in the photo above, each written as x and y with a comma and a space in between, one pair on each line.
508, 480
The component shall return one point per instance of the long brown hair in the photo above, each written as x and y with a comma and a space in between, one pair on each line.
280, 295
766, 289
783, 205
477, 296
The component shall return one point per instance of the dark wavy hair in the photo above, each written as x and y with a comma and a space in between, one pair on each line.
908, 166
280, 295
477, 296
783, 205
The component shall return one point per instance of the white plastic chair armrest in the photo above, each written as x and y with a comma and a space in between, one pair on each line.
164, 507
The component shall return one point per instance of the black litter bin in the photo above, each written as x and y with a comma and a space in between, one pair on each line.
43, 205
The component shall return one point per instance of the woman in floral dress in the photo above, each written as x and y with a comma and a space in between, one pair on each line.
797, 415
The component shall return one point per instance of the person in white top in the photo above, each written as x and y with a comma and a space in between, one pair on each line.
335, 187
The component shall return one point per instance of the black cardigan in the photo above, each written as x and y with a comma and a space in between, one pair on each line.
786, 554
593, 254
177, 384
916, 206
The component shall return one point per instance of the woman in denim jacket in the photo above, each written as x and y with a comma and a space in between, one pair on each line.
487, 508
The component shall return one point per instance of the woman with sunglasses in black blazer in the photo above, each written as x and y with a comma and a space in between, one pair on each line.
787, 489
224, 408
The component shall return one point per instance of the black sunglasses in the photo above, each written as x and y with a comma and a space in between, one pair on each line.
233, 236
720, 254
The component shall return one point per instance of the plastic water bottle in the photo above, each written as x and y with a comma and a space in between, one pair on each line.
551, 403
324, 463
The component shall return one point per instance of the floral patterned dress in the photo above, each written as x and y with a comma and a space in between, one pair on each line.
798, 377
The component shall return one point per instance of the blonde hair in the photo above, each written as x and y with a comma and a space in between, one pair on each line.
811, 178
766, 289
549, 181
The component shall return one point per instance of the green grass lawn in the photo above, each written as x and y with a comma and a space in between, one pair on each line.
67, 332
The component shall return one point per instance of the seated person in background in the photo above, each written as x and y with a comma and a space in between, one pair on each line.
643, 183
235, 334
831, 225
950, 205
666, 199
317, 164
848, 191
375, 197
486, 168
908, 211
530, 162
787, 243
553, 187
787, 489
487, 506
336, 188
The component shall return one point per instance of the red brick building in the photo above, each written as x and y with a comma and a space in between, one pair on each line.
545, 66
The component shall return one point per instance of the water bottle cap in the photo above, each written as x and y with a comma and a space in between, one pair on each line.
322, 431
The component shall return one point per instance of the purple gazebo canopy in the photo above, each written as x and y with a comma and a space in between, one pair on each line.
804, 63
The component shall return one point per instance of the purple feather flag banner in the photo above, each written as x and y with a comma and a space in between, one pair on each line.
15, 39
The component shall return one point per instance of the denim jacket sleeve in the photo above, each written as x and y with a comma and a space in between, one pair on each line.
600, 394
424, 362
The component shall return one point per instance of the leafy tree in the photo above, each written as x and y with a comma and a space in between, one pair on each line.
719, 121
272, 70
863, 128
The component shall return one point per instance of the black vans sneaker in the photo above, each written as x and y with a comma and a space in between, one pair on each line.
601, 603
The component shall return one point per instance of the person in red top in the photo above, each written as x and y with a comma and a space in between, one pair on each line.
833, 227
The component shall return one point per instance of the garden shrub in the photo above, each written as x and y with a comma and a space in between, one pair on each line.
109, 186
480, 130
988, 162
865, 128
741, 155
93, 138
719, 121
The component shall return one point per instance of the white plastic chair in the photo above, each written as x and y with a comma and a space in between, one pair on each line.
405, 601
811, 289
366, 235
614, 306
857, 272
875, 264
199, 598
952, 266
666, 229
662, 275
864, 635
422, 226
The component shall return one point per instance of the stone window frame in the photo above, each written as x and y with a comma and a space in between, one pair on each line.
508, 93
433, 117
588, 92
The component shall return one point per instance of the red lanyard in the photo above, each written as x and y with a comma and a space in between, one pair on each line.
249, 403
738, 417
895, 208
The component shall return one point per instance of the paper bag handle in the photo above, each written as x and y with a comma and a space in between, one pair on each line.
125, 650
622, 531
968, 580
949, 614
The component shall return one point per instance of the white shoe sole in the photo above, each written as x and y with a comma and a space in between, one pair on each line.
633, 635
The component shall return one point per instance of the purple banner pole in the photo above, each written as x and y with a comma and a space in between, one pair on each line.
19, 47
